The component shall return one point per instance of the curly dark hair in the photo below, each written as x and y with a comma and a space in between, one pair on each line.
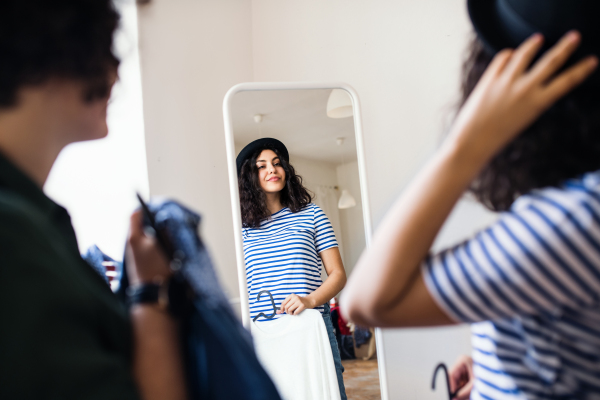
253, 201
65, 39
563, 143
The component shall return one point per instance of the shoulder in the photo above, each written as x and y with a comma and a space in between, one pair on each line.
313, 208
17, 215
555, 216
574, 198
24, 227
318, 213
310, 209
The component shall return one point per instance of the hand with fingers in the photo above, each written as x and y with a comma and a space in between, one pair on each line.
511, 95
146, 262
294, 304
462, 378
157, 363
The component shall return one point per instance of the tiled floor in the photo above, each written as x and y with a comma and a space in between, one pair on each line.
361, 379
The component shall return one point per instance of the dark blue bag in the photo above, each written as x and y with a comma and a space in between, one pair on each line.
220, 361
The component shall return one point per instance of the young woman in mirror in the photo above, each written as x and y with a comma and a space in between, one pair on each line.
287, 240
527, 142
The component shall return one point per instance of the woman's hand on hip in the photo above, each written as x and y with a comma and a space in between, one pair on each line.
510, 96
294, 304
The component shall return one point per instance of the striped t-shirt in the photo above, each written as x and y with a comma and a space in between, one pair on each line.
282, 256
530, 283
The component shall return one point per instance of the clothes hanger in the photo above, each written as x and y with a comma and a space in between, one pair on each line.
275, 308
443, 366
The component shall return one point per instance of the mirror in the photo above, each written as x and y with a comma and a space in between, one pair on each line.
288, 252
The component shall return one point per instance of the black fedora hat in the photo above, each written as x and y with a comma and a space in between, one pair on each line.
507, 23
260, 144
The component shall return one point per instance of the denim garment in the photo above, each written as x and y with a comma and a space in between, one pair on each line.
219, 356
337, 360
95, 257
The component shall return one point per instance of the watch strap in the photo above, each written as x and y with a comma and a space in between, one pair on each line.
145, 293
173, 295
148, 293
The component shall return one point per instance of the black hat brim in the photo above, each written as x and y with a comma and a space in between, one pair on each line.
497, 26
260, 144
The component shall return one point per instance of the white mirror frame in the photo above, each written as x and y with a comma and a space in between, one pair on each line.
235, 197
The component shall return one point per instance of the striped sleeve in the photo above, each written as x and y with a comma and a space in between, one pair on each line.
324, 235
537, 260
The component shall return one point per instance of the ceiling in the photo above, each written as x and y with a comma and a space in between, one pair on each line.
296, 117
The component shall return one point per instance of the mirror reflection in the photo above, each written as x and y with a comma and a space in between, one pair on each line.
303, 231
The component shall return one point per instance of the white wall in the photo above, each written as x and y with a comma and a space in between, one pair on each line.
192, 52
314, 173
96, 181
402, 56
351, 219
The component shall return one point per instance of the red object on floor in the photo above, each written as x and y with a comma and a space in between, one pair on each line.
342, 323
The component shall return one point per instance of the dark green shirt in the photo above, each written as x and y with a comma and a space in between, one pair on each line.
63, 334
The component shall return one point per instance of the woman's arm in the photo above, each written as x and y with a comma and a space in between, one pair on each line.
158, 367
386, 288
336, 279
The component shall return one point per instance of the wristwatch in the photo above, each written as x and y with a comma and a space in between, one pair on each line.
150, 293
173, 294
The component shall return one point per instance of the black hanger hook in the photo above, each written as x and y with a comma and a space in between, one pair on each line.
275, 308
435, 372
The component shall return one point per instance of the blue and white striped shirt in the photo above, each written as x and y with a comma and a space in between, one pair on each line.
282, 256
530, 284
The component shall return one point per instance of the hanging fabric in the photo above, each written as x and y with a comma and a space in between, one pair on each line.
296, 353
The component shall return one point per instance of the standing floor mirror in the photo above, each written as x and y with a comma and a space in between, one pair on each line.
320, 126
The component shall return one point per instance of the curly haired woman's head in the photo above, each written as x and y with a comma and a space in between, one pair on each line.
563, 143
267, 171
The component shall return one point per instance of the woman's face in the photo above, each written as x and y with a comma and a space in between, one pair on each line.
80, 120
270, 172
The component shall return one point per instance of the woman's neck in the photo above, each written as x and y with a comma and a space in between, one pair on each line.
29, 144
38, 127
274, 202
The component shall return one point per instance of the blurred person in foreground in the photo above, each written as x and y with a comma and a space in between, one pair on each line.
526, 141
63, 334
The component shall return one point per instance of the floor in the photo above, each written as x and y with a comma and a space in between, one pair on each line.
361, 379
